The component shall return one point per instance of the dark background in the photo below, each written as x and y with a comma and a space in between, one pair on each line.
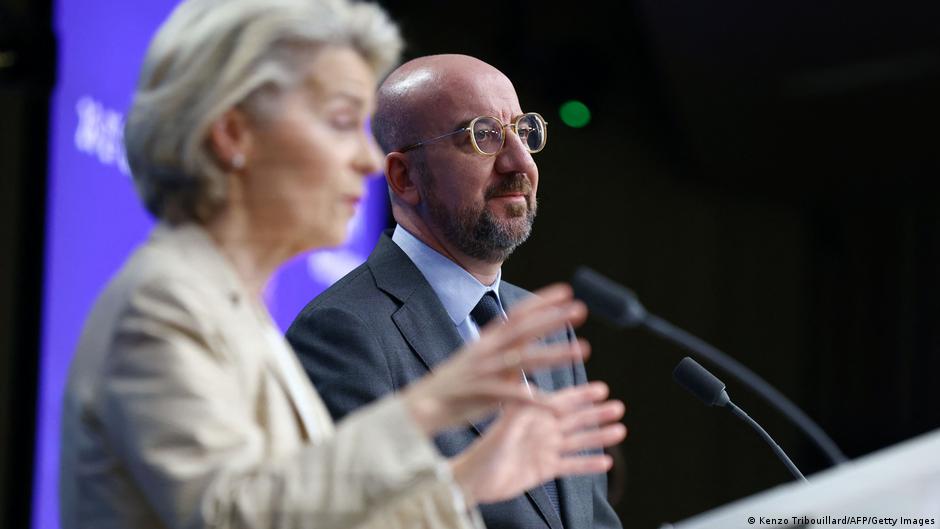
761, 173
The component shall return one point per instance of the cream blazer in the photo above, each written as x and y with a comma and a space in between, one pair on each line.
180, 414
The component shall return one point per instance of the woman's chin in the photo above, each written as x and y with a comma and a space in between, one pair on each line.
328, 239
316, 236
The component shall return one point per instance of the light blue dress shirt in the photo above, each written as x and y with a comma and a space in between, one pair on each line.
457, 289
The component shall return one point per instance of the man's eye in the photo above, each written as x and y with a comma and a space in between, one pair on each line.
485, 134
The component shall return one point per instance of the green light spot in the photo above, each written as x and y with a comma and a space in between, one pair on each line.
575, 114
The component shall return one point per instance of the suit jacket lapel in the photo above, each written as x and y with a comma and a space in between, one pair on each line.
421, 318
576, 495
430, 332
312, 415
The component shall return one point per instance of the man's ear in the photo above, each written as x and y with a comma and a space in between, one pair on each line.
400, 175
230, 139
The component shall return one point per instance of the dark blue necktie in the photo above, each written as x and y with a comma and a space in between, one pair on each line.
487, 309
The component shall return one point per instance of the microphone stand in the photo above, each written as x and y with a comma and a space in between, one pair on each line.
770, 394
621, 306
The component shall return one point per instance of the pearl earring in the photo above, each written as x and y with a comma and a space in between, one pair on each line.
238, 160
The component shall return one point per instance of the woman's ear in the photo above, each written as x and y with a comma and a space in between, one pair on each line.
400, 175
230, 139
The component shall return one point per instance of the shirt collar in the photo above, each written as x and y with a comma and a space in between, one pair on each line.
457, 289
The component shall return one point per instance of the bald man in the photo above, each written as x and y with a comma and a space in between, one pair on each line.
462, 183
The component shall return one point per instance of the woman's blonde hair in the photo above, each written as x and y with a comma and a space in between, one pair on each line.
211, 55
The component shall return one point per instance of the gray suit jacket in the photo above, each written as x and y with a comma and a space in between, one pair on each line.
380, 328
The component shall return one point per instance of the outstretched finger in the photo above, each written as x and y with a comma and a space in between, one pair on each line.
520, 330
507, 364
550, 295
513, 394
593, 439
576, 397
544, 321
537, 357
593, 416
537, 315
584, 464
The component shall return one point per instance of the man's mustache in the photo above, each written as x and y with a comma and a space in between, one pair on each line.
517, 183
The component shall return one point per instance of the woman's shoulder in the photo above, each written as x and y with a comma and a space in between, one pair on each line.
176, 273
158, 293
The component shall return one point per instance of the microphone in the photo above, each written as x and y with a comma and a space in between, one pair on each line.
706, 386
621, 307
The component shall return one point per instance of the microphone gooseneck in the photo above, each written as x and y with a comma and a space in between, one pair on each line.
709, 389
621, 307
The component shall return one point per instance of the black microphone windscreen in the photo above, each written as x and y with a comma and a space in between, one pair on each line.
700, 382
608, 299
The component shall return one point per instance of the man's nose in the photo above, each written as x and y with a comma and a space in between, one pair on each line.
514, 158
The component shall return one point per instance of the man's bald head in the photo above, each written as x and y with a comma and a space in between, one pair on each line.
417, 98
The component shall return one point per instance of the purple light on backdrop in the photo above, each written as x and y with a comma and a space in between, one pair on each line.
95, 219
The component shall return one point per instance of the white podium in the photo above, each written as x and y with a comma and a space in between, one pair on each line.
895, 487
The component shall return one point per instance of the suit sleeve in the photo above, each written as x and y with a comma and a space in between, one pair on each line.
172, 407
343, 358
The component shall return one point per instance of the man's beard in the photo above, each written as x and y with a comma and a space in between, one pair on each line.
473, 229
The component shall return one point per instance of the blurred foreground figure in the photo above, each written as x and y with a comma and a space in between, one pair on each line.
185, 407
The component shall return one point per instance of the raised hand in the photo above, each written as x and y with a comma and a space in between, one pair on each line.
485, 373
529, 445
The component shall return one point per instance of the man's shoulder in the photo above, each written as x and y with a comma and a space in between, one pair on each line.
352, 292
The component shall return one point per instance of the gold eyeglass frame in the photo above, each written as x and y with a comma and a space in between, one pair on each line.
469, 129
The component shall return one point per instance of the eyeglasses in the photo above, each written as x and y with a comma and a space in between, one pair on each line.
488, 137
